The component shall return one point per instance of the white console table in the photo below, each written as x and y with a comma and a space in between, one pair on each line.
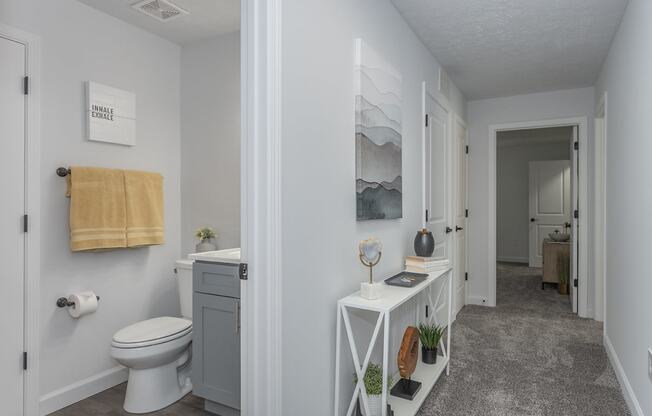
392, 298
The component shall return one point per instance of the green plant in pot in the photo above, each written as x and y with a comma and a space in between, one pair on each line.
430, 335
205, 236
563, 266
373, 383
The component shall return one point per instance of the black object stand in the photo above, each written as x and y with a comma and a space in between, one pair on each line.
406, 389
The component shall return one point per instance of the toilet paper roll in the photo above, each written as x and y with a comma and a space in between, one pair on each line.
84, 303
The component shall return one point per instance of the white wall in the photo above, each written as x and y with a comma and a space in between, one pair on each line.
626, 78
480, 115
210, 145
512, 188
80, 44
320, 231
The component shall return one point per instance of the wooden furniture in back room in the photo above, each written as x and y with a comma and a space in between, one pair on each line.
551, 252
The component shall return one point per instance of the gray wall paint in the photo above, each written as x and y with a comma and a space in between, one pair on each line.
320, 231
626, 78
80, 44
210, 145
512, 191
481, 115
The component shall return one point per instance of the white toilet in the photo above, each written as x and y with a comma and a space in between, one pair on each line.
157, 353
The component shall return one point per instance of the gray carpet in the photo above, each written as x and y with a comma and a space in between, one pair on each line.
528, 356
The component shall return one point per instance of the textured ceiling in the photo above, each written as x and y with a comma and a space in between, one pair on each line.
207, 18
494, 48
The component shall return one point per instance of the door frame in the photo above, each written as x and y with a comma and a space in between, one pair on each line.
600, 211
458, 120
261, 215
582, 256
31, 291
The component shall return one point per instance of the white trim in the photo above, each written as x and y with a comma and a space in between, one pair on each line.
513, 259
476, 300
81, 389
459, 121
582, 122
261, 211
625, 386
600, 210
32, 207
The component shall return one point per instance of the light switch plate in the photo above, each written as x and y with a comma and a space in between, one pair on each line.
649, 363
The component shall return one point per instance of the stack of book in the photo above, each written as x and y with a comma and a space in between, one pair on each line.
416, 264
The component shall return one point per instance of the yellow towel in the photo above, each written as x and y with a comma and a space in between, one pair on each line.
144, 196
97, 208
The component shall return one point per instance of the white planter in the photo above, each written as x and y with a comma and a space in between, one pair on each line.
375, 406
204, 246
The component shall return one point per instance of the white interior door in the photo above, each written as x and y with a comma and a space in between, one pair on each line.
575, 241
12, 209
550, 203
460, 142
437, 175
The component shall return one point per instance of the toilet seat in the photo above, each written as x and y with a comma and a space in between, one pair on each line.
152, 332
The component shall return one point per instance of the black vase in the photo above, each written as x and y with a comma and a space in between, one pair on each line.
428, 356
424, 243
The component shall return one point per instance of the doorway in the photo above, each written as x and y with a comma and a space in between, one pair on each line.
578, 179
534, 203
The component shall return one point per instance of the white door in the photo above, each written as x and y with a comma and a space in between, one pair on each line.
550, 203
12, 238
437, 176
460, 143
575, 241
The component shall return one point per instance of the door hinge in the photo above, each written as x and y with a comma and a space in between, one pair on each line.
467, 149
24, 360
576, 213
244, 271
466, 276
426, 215
25, 223
466, 213
426, 120
576, 145
26, 85
575, 283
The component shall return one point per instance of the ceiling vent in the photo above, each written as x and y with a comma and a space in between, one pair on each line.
161, 10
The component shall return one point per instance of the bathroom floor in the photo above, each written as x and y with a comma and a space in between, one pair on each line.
109, 403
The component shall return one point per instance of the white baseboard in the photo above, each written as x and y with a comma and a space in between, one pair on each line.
510, 259
476, 300
628, 392
81, 389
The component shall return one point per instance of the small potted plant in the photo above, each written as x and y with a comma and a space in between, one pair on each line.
430, 335
205, 236
563, 266
373, 383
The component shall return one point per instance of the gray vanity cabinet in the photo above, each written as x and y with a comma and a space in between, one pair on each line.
216, 333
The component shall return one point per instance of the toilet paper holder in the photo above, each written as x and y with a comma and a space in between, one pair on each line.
64, 302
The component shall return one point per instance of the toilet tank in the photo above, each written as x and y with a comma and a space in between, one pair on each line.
183, 272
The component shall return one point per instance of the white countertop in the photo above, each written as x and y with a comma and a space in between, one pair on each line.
230, 255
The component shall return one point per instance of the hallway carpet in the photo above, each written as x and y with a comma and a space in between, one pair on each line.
528, 356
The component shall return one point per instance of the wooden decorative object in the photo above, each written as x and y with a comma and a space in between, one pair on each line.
408, 355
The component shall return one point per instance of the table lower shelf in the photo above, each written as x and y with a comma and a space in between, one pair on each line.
427, 374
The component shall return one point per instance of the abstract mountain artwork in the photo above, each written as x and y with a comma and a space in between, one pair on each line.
378, 141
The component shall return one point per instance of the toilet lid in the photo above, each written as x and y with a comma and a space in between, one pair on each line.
151, 330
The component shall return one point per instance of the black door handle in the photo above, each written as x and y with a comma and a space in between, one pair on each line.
532, 220
448, 230
458, 228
